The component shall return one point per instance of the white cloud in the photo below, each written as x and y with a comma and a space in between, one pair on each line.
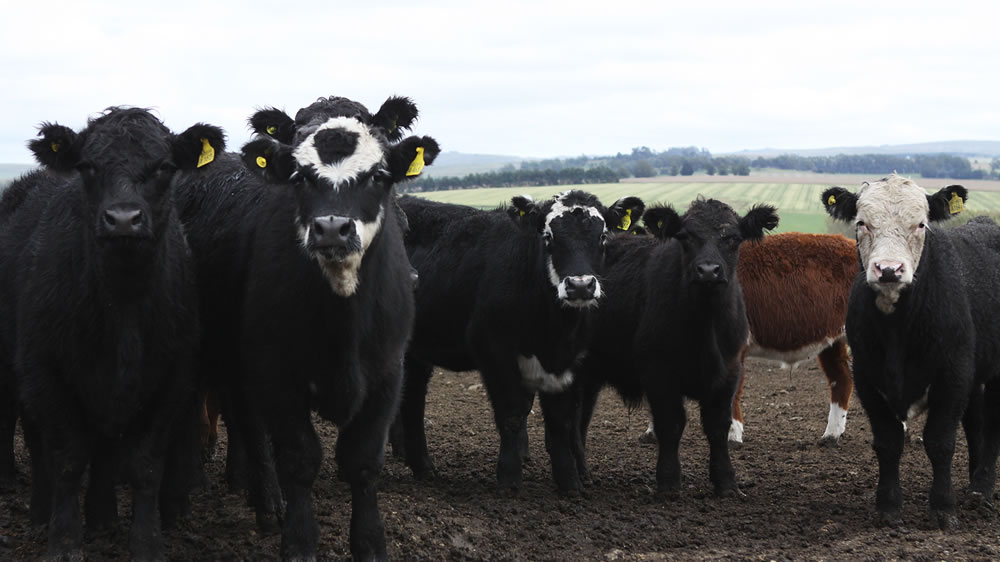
537, 79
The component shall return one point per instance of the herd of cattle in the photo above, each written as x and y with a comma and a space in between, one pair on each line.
141, 270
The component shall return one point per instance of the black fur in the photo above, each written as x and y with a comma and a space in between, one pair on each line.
273, 123
102, 324
282, 343
485, 299
940, 339
667, 331
840, 203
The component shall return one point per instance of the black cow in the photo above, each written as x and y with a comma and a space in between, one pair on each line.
511, 293
99, 312
674, 326
921, 323
328, 305
11, 200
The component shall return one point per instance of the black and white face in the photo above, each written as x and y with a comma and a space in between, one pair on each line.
342, 192
575, 232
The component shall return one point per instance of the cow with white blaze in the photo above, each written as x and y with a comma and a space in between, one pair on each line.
673, 327
921, 323
328, 304
513, 294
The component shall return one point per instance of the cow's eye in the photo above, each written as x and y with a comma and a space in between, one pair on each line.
921, 226
861, 225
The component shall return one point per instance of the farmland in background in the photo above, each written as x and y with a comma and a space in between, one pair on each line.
796, 195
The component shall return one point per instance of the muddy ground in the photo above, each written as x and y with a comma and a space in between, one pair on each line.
802, 502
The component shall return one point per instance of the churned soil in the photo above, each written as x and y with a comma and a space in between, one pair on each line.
803, 502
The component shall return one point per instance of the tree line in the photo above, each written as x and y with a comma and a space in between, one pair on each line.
643, 162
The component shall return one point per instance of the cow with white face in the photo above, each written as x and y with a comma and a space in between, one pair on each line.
922, 330
511, 293
328, 304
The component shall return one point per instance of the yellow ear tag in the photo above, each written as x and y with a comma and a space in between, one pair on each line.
955, 204
626, 220
659, 224
54, 146
832, 200
207, 153
521, 213
261, 162
417, 165
271, 129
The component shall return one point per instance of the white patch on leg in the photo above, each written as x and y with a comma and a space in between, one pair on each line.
836, 423
534, 377
736, 432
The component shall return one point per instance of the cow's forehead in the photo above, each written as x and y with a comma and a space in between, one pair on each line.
710, 215
560, 210
362, 150
893, 198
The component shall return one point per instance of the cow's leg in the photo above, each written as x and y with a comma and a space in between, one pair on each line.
411, 418
263, 491
184, 468
68, 452
41, 482
669, 418
984, 478
887, 442
511, 405
835, 363
560, 411
360, 458
735, 434
944, 412
972, 423
586, 400
716, 420
101, 501
297, 456
8, 421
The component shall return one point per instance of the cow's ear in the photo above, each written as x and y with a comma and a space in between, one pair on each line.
58, 147
947, 202
523, 210
758, 219
271, 159
840, 204
408, 158
198, 146
662, 222
395, 116
624, 214
273, 123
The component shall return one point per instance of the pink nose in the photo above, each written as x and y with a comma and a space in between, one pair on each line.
888, 271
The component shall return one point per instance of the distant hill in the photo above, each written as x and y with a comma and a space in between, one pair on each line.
452, 163
958, 148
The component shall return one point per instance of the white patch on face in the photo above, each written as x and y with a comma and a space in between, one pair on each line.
736, 432
889, 234
559, 209
836, 422
534, 377
367, 154
343, 274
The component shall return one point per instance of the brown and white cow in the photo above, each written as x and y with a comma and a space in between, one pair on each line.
796, 286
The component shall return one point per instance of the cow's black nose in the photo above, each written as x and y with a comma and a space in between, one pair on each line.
709, 271
123, 221
581, 287
331, 231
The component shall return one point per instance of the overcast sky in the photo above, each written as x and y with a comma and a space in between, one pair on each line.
522, 78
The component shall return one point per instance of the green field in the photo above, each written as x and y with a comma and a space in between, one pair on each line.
798, 203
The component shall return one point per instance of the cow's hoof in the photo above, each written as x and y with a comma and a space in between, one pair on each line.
648, 438
890, 519
945, 520
733, 492
268, 524
425, 475
828, 442
735, 445
569, 494
981, 504
509, 492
